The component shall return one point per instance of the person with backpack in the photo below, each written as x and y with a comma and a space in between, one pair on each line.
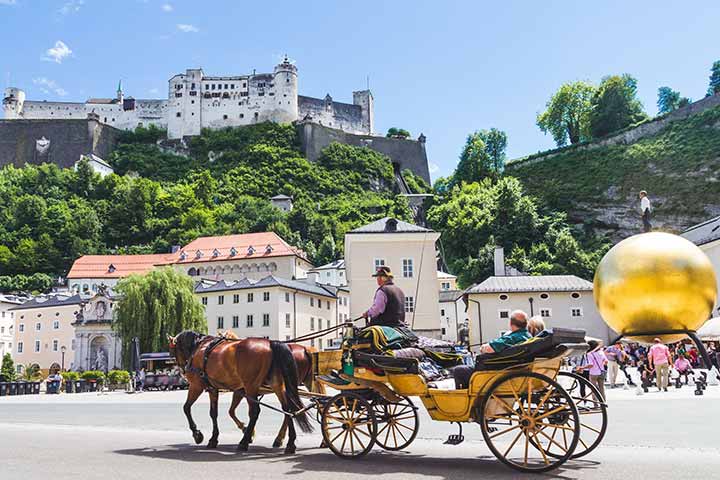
596, 363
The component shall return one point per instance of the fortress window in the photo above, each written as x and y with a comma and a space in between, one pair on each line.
192, 86
232, 86
256, 114
226, 86
243, 94
224, 117
271, 94
105, 120
192, 101
177, 114
193, 93
261, 84
244, 85
178, 94
207, 87
213, 86
287, 80
261, 94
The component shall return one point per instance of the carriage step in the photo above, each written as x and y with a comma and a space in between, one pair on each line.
334, 380
454, 440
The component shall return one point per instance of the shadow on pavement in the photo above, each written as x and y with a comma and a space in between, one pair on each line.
375, 463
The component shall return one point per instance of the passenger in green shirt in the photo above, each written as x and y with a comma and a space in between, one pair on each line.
518, 333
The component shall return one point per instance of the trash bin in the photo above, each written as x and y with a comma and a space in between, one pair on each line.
27, 386
93, 385
20, 388
68, 386
4, 387
12, 388
80, 386
36, 388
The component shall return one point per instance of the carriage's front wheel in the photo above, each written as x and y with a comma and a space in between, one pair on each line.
535, 423
348, 425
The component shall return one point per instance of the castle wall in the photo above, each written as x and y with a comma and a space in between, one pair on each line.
406, 154
342, 116
26, 141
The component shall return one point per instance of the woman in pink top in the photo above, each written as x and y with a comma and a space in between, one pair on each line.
683, 367
659, 357
595, 363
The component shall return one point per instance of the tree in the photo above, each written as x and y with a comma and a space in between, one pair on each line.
8, 368
394, 132
495, 145
669, 100
475, 163
154, 305
615, 105
31, 372
326, 251
714, 86
567, 116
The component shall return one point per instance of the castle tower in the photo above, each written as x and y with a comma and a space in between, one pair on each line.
286, 88
185, 104
13, 103
120, 95
364, 98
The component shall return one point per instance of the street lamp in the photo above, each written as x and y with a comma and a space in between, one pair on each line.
63, 349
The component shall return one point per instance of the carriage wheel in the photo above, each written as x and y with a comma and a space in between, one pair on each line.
592, 410
536, 424
348, 425
397, 423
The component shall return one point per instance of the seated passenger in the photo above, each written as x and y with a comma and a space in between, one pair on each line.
536, 325
518, 333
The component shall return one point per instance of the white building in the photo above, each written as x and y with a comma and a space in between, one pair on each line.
272, 307
7, 323
409, 251
196, 101
283, 202
332, 273
446, 281
452, 314
562, 300
706, 235
97, 164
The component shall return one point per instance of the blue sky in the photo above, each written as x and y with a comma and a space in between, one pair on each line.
443, 68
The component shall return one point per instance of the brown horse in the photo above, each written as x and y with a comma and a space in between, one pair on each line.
238, 365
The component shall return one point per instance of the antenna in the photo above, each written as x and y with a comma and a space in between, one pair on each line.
367, 78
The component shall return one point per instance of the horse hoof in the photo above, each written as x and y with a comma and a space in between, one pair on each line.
289, 450
242, 447
198, 437
212, 444
277, 444
323, 444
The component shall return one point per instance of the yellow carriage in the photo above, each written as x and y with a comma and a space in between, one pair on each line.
529, 418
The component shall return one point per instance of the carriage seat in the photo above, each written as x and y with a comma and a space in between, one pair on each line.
546, 344
407, 363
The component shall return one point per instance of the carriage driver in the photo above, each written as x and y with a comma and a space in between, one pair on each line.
388, 308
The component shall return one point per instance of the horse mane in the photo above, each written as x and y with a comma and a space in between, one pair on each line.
185, 342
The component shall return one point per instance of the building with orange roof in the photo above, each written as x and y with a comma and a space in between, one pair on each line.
90, 271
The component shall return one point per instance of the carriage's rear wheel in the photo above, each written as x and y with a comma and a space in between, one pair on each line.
397, 423
592, 409
536, 425
348, 425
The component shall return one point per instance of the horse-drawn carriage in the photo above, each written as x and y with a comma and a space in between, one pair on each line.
532, 416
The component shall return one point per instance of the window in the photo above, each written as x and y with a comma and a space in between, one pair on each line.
56, 325
328, 342
38, 326
213, 86
545, 312
503, 297
409, 304
504, 314
249, 321
445, 285
55, 345
407, 267
379, 262
232, 86
544, 296
266, 296
224, 117
312, 302
178, 94
575, 295
236, 298
287, 320
2, 330
37, 346
287, 297
250, 297
178, 115
443, 331
221, 300
319, 303
242, 115
236, 321
312, 342
328, 304
204, 300
266, 319
312, 323
442, 312
319, 323
72, 345
19, 348
576, 312
221, 322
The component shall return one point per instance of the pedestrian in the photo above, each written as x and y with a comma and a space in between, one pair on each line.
659, 358
645, 210
536, 325
683, 367
141, 379
615, 357
596, 363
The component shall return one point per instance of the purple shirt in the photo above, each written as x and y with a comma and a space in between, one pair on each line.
596, 360
379, 304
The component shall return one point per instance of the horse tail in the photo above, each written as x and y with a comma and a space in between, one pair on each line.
284, 362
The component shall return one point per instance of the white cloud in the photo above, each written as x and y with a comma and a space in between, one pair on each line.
47, 86
166, 7
58, 53
433, 167
72, 6
8, 2
187, 28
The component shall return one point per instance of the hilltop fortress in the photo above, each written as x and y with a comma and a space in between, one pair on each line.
196, 101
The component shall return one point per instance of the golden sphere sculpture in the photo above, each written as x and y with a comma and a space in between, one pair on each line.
655, 283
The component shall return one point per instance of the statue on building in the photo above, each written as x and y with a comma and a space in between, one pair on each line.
100, 360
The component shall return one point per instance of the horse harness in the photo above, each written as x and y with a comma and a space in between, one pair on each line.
202, 372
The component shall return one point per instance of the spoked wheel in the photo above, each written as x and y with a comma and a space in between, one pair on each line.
592, 409
397, 423
348, 425
536, 423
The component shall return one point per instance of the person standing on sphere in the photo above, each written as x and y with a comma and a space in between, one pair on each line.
645, 209
388, 308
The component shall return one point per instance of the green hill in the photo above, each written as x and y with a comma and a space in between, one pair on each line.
597, 186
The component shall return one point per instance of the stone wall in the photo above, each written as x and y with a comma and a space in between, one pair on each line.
61, 142
405, 154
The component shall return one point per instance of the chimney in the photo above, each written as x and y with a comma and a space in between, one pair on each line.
499, 261
175, 249
313, 277
391, 225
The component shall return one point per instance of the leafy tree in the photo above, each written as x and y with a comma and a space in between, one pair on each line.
415, 183
31, 372
669, 100
154, 305
394, 132
615, 105
567, 113
8, 368
495, 145
714, 86
326, 251
475, 163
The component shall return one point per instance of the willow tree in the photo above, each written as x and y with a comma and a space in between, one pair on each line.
154, 305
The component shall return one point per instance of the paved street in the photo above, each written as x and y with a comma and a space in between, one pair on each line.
145, 436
